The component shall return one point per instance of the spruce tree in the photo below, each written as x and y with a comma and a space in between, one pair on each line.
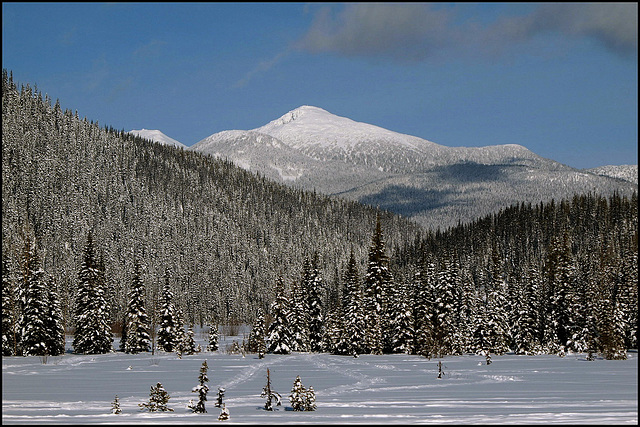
299, 318
9, 310
158, 400
137, 321
202, 389
313, 286
213, 336
33, 324
256, 342
93, 331
279, 330
352, 310
54, 322
377, 279
167, 333
297, 395
115, 406
270, 394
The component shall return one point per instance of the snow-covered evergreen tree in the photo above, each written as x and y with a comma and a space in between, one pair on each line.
158, 400
279, 330
526, 333
561, 315
224, 413
220, 397
188, 344
93, 331
202, 389
9, 310
424, 285
54, 321
213, 336
270, 394
256, 343
33, 324
297, 395
115, 406
137, 321
352, 312
401, 337
313, 286
167, 332
299, 321
376, 280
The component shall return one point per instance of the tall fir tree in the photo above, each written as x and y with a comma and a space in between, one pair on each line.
279, 332
352, 313
9, 310
54, 321
33, 322
256, 343
202, 389
313, 286
299, 318
167, 332
376, 280
137, 322
93, 332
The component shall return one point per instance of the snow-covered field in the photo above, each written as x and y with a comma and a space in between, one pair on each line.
389, 389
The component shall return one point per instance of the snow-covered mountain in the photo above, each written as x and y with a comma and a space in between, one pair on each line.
157, 136
436, 185
626, 172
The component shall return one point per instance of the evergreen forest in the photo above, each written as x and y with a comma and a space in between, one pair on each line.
106, 233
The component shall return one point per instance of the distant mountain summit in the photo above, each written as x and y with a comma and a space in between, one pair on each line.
438, 186
157, 136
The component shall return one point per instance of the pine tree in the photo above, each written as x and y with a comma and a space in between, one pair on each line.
219, 402
115, 406
352, 314
313, 286
401, 338
167, 333
297, 396
137, 321
213, 337
158, 400
561, 318
270, 394
93, 332
299, 318
279, 331
310, 400
377, 279
188, 344
54, 322
424, 309
9, 310
256, 342
224, 413
33, 323
202, 389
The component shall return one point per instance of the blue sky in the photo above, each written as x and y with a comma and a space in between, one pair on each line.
560, 79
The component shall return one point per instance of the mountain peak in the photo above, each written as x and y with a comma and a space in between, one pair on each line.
157, 136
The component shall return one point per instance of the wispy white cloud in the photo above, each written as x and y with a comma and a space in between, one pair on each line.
418, 31
262, 67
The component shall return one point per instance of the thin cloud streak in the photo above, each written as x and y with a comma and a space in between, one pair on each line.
416, 32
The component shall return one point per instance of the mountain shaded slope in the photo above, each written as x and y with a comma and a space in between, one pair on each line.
436, 185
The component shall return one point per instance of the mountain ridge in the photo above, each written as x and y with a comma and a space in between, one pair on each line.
436, 185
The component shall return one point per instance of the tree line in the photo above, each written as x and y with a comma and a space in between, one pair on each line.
104, 232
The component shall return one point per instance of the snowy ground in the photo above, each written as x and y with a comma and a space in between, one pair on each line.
390, 389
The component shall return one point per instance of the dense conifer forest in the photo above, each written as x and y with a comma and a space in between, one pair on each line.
108, 232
